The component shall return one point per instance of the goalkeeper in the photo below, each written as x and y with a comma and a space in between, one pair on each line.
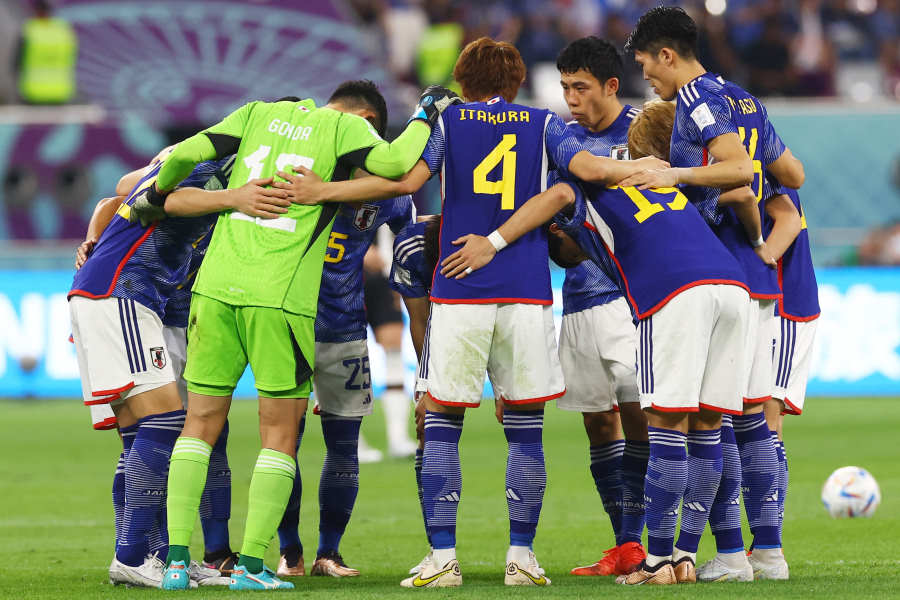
255, 298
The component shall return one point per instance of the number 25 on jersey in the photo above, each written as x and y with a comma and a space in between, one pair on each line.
506, 185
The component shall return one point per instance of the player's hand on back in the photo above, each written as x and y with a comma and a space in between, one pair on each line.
83, 252
476, 252
657, 174
148, 207
434, 100
256, 199
764, 255
302, 186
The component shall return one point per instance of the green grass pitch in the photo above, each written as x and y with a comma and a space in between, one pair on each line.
56, 526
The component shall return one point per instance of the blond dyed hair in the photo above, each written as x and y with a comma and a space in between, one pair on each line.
650, 132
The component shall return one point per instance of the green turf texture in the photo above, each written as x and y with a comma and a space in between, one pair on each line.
56, 529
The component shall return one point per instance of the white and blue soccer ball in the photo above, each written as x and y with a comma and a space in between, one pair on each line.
851, 492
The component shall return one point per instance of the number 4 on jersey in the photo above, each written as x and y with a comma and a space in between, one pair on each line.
506, 185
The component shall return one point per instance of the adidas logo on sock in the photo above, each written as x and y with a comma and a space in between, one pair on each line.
772, 498
694, 506
451, 497
511, 494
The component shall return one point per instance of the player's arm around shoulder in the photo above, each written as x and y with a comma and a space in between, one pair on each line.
255, 198
478, 250
102, 215
787, 224
305, 187
788, 169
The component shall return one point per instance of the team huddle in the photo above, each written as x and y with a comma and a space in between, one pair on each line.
689, 311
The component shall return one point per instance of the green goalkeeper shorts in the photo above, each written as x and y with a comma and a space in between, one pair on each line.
222, 339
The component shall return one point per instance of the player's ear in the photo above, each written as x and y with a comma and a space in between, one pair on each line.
611, 86
666, 56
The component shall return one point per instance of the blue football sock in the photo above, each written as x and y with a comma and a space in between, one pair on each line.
442, 477
215, 503
664, 488
704, 470
782, 481
158, 537
289, 528
606, 469
634, 471
339, 482
759, 477
118, 487
418, 468
725, 515
526, 475
146, 472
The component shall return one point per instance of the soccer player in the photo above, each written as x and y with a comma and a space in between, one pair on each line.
720, 140
341, 375
412, 271
688, 293
597, 329
798, 313
240, 317
123, 303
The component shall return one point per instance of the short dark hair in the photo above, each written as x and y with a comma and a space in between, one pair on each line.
664, 27
554, 247
598, 57
288, 99
362, 93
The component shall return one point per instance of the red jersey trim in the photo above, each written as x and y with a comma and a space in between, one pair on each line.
490, 301
103, 400
445, 403
759, 400
114, 392
664, 301
674, 409
765, 296
781, 312
107, 423
122, 262
790, 409
726, 411
535, 400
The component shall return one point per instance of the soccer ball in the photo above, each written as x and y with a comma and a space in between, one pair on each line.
851, 492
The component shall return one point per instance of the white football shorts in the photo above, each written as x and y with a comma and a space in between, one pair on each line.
692, 351
793, 355
762, 330
514, 343
597, 347
120, 348
341, 380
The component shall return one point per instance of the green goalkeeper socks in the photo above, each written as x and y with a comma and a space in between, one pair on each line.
187, 476
270, 489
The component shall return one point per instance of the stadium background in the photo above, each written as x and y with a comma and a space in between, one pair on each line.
150, 73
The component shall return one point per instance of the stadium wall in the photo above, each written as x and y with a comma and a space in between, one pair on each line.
857, 346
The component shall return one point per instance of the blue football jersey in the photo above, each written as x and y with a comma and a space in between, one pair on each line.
494, 156
410, 275
796, 275
658, 241
150, 264
341, 316
589, 284
706, 108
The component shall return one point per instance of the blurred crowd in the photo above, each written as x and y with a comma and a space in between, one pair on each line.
773, 47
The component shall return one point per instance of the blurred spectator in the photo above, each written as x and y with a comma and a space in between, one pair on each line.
768, 60
47, 55
881, 247
813, 53
440, 45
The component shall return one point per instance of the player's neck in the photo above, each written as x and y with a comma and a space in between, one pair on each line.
688, 71
611, 112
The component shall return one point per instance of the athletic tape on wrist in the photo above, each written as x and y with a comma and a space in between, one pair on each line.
497, 240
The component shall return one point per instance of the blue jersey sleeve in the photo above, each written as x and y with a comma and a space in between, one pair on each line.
773, 147
433, 155
710, 118
561, 143
408, 272
405, 215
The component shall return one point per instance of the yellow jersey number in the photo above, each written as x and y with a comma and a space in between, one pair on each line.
334, 244
646, 208
751, 150
506, 185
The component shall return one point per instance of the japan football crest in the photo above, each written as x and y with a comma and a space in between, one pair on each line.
158, 357
619, 152
365, 216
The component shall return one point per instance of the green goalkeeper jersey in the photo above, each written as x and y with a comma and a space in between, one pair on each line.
278, 262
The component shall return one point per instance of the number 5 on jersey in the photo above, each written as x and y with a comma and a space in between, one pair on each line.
506, 185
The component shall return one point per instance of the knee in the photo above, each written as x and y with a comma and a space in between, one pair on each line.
601, 427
